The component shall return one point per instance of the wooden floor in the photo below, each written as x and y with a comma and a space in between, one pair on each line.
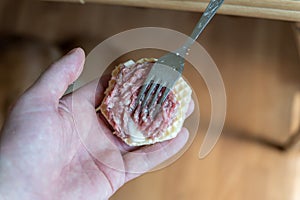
258, 60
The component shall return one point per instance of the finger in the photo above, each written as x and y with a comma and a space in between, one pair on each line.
53, 83
148, 157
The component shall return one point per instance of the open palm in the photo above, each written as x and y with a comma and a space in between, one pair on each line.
58, 147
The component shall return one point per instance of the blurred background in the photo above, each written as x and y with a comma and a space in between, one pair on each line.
258, 154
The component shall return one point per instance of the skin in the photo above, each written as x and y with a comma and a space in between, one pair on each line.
57, 147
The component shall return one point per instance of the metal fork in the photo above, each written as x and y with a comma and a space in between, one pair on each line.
168, 68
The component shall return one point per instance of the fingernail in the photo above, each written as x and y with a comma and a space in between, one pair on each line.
72, 51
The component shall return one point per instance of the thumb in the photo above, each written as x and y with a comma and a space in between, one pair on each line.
53, 83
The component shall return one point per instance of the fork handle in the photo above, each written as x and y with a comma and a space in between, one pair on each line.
208, 14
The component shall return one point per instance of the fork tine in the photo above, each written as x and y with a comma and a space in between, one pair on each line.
156, 111
164, 95
140, 96
148, 95
154, 99
161, 100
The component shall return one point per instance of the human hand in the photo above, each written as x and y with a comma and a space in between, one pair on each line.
57, 147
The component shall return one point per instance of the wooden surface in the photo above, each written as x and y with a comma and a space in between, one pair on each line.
258, 60
236, 170
296, 29
269, 9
